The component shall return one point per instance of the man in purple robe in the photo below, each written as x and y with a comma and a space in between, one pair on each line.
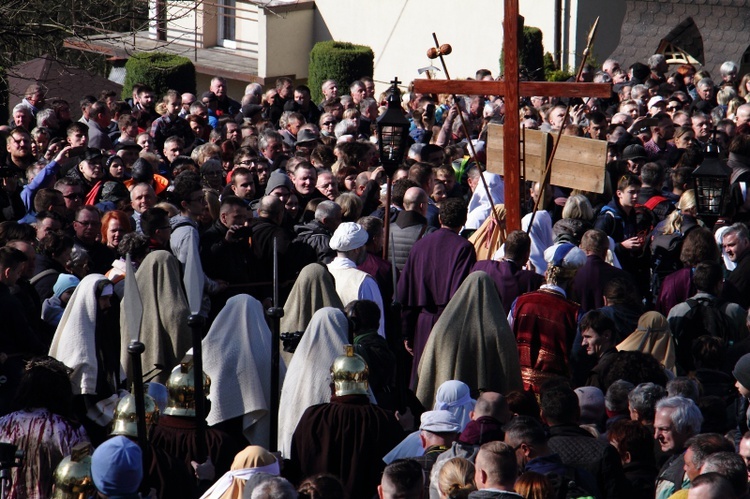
437, 265
509, 275
588, 284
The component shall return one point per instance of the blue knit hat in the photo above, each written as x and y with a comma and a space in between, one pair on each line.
64, 282
117, 467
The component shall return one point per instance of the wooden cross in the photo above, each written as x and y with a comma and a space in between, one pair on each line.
511, 88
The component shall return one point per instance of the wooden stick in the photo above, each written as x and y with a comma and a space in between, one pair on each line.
472, 151
548, 166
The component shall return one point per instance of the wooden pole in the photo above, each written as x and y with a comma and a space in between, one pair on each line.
511, 151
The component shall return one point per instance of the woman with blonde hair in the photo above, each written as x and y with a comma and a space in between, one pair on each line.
666, 244
456, 479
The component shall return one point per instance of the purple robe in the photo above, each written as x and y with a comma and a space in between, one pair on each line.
589, 281
380, 270
437, 265
510, 280
676, 288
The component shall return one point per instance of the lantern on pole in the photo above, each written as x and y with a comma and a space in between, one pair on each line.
393, 130
711, 180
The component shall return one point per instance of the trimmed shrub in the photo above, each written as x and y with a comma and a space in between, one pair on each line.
341, 61
159, 71
530, 54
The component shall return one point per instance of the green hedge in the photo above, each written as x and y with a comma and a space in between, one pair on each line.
159, 71
341, 61
530, 54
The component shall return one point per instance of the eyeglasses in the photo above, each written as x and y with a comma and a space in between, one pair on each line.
329, 123
74, 196
89, 224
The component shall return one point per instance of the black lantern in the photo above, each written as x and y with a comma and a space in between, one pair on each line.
711, 183
393, 129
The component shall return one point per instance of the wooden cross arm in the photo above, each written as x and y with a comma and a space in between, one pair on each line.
528, 88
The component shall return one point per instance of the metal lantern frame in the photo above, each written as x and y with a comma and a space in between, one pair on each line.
711, 180
393, 132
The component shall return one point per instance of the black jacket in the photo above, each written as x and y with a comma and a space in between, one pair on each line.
318, 237
579, 448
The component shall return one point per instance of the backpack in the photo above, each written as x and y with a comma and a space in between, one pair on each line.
705, 317
566, 486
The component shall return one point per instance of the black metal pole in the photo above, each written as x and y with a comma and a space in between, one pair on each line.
275, 312
196, 325
135, 349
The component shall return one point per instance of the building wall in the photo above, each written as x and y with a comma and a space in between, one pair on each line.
400, 32
285, 40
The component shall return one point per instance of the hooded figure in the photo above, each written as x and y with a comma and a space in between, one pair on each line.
237, 358
77, 339
164, 327
313, 290
308, 378
251, 461
479, 204
471, 342
654, 337
89, 345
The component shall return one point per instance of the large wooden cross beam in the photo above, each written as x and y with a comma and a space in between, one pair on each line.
511, 88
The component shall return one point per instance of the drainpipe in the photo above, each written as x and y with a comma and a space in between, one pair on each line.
558, 33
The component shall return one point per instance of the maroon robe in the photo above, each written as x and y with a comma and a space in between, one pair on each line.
380, 270
347, 437
588, 283
510, 280
176, 436
437, 265
676, 288
544, 323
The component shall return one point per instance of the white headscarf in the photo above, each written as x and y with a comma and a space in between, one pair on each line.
247, 462
453, 396
479, 204
541, 236
237, 358
74, 343
308, 378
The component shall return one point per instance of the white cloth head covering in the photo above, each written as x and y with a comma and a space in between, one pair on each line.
348, 236
308, 378
439, 422
542, 237
247, 462
479, 204
453, 396
74, 343
237, 358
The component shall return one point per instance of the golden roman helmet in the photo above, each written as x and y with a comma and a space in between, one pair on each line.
73, 475
181, 390
350, 373
125, 422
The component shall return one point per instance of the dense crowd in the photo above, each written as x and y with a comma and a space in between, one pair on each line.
603, 351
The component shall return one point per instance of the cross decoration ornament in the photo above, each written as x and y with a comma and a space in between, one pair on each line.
512, 88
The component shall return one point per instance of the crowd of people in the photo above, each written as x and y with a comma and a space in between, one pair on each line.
603, 351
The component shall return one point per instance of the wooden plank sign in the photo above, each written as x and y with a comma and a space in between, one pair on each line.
579, 162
